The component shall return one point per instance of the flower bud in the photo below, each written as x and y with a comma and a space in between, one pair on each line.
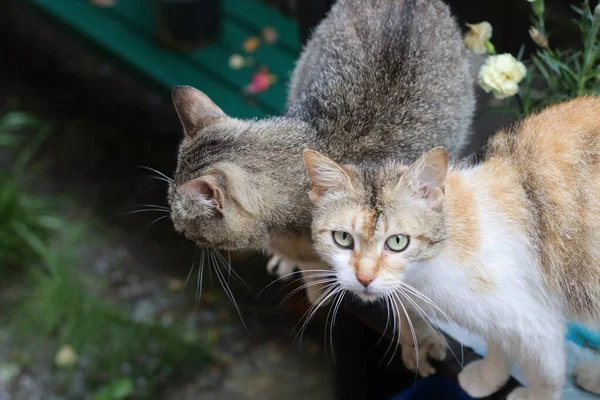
538, 38
538, 7
475, 39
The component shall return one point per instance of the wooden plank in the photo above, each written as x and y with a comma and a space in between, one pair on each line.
141, 53
257, 15
215, 58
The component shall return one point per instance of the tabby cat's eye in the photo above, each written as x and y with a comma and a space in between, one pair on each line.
397, 243
343, 239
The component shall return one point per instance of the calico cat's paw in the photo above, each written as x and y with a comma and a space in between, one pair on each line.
587, 375
432, 346
280, 267
480, 378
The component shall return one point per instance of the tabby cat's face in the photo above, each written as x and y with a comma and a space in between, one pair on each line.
214, 206
377, 227
215, 196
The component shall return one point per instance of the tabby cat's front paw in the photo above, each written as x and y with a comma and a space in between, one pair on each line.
480, 378
432, 347
280, 267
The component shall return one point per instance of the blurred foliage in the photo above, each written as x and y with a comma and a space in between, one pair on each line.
21, 213
566, 73
62, 305
58, 298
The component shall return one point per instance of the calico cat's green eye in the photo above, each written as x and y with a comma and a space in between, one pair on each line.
397, 243
343, 239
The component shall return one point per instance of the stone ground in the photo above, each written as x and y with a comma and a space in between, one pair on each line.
262, 364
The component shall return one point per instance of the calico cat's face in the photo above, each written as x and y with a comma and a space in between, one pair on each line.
375, 227
226, 177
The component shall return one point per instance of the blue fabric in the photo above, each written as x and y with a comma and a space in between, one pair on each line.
433, 387
583, 336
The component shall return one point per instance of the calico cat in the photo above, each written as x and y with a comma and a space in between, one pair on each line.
377, 78
508, 247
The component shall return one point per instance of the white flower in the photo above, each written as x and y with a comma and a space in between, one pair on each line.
66, 357
501, 74
477, 35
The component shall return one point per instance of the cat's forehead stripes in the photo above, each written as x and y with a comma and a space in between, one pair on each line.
365, 222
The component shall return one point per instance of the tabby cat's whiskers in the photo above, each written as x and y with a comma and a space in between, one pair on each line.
226, 288
159, 175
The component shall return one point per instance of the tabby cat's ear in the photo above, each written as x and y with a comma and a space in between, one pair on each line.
324, 174
426, 178
204, 190
195, 109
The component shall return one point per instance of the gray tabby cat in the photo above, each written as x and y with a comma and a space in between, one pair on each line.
378, 78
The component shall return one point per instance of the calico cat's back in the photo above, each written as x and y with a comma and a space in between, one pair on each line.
389, 75
556, 155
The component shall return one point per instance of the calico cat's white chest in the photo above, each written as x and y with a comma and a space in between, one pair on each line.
499, 288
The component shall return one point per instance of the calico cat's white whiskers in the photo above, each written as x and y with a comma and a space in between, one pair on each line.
418, 294
406, 289
385, 301
330, 320
429, 321
316, 272
395, 333
412, 331
330, 291
306, 285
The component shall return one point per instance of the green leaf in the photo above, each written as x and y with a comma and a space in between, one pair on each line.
116, 390
50, 222
7, 140
32, 240
27, 154
19, 120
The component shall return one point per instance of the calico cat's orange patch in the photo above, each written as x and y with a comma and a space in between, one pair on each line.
502, 182
463, 229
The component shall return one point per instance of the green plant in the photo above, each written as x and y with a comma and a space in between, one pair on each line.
21, 213
566, 73
60, 301
61, 304
561, 74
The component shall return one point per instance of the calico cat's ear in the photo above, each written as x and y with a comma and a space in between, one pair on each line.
426, 178
324, 174
195, 109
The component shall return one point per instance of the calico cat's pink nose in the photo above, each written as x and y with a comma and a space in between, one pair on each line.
364, 279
